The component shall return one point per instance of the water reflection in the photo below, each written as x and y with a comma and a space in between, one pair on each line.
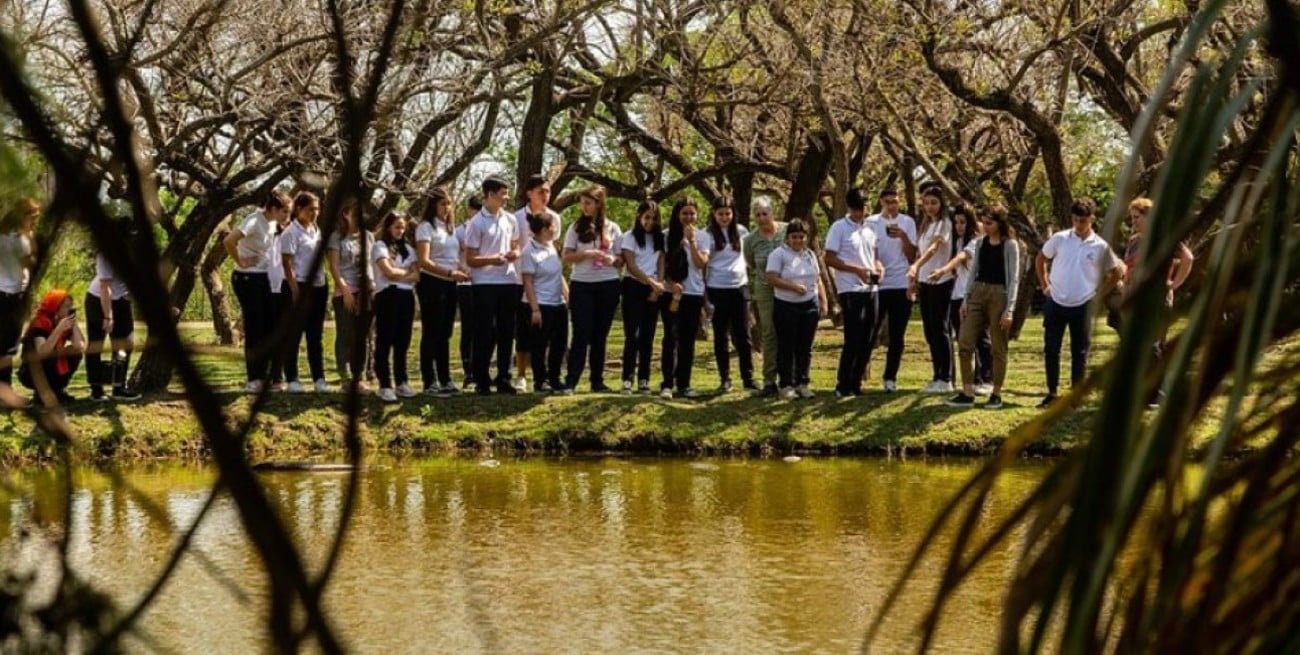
588, 555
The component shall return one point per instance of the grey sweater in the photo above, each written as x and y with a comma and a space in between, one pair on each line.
1010, 259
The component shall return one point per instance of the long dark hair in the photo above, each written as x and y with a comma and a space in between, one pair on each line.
964, 237
733, 230
301, 201
590, 228
936, 193
400, 246
998, 214
656, 232
437, 196
676, 267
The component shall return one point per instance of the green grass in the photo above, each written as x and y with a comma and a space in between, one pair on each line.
312, 424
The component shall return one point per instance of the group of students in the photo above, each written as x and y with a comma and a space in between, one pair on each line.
49, 351
504, 274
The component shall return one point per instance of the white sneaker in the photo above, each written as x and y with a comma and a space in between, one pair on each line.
627, 386
804, 391
296, 387
280, 386
253, 387
690, 393
890, 386
521, 384
983, 389
666, 393
322, 386
405, 391
789, 393
387, 395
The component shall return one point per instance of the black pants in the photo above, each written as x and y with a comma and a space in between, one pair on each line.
279, 307
640, 318
593, 305
394, 322
119, 343
547, 344
730, 317
465, 303
494, 326
895, 311
1055, 321
680, 329
796, 325
314, 327
11, 330
983, 347
254, 295
58, 381
935, 300
858, 311
437, 319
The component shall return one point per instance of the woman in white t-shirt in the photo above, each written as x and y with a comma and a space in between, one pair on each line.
254, 248
687, 252
547, 297
799, 301
935, 249
348, 253
643, 255
437, 249
726, 281
305, 278
396, 272
591, 248
16, 256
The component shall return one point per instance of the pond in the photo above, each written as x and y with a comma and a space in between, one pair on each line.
549, 555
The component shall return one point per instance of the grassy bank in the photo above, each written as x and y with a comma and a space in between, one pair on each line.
308, 425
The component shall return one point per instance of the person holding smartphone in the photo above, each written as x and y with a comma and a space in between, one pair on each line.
52, 349
896, 247
851, 252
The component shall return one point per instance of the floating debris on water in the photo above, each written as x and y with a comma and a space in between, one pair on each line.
490, 463
791, 458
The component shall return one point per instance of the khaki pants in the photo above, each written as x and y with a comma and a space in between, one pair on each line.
985, 305
763, 302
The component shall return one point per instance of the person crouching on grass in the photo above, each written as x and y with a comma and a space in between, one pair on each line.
52, 349
799, 302
547, 295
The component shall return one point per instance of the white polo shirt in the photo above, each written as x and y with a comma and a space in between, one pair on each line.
589, 270
302, 243
939, 232
104, 273
460, 240
492, 235
258, 242
444, 247
1077, 266
15, 248
694, 284
727, 269
526, 231
890, 249
855, 244
646, 257
547, 270
381, 251
798, 267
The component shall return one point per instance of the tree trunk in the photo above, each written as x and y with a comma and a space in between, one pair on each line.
223, 322
809, 179
537, 123
742, 194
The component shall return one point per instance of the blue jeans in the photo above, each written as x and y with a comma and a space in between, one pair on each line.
1055, 320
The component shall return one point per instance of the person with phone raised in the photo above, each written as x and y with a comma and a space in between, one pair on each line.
851, 252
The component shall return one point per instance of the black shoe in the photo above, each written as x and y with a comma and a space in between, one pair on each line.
768, 391
961, 400
506, 388
1047, 401
65, 398
97, 394
600, 387
483, 390
125, 393
995, 401
750, 386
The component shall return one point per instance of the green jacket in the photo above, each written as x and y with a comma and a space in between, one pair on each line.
757, 248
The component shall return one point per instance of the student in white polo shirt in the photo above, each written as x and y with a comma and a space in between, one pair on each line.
643, 255
1082, 265
935, 295
687, 252
537, 190
726, 282
438, 253
493, 244
798, 303
397, 270
108, 314
592, 247
252, 245
851, 252
896, 249
465, 294
298, 246
16, 255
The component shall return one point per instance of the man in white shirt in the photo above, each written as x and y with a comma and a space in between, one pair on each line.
492, 246
851, 253
537, 189
1083, 266
896, 248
